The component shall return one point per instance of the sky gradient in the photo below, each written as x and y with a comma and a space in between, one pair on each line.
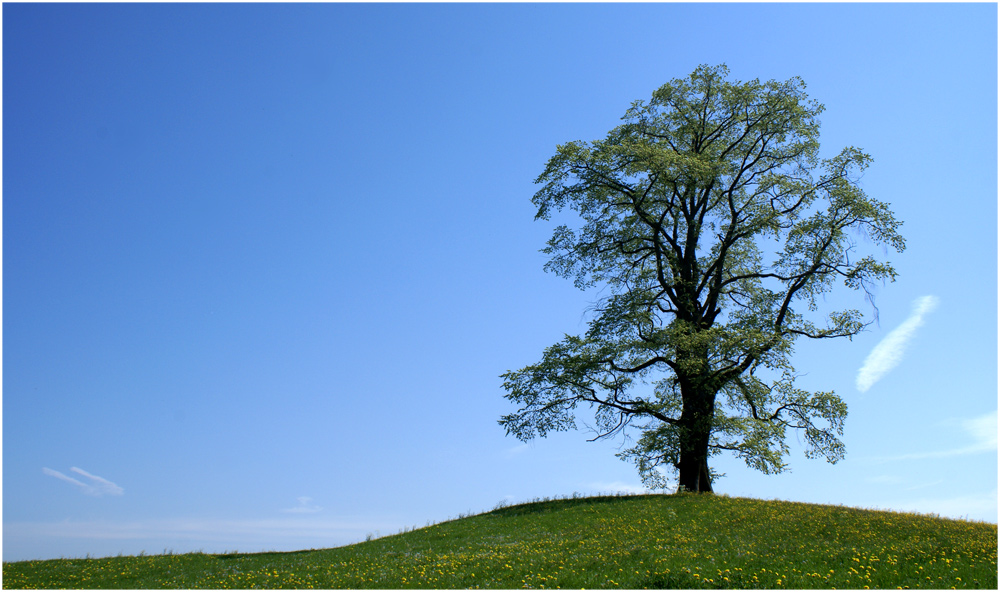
264, 264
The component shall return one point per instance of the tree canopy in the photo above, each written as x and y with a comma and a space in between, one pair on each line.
714, 226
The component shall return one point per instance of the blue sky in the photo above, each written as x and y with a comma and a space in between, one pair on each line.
264, 264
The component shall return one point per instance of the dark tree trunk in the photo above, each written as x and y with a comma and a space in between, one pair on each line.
693, 471
696, 430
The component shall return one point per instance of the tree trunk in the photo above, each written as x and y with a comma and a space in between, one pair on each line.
693, 467
696, 430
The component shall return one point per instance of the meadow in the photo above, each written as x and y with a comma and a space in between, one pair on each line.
647, 541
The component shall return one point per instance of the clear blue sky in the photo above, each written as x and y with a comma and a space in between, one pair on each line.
264, 264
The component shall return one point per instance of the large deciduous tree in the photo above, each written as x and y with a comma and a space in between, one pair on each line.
713, 225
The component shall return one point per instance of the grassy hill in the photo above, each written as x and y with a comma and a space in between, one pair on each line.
651, 541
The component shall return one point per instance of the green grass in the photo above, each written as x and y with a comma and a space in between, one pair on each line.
651, 541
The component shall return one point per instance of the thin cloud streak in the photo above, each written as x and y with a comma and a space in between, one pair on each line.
889, 352
65, 478
304, 507
982, 430
103, 484
98, 488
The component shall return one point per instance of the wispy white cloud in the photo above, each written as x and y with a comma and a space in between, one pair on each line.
304, 507
98, 487
983, 430
100, 483
981, 433
889, 352
63, 477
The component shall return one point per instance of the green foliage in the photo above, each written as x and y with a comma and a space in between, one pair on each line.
715, 226
657, 541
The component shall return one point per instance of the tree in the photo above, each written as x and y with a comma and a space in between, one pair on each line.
680, 205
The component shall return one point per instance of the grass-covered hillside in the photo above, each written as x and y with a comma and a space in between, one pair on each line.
653, 541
